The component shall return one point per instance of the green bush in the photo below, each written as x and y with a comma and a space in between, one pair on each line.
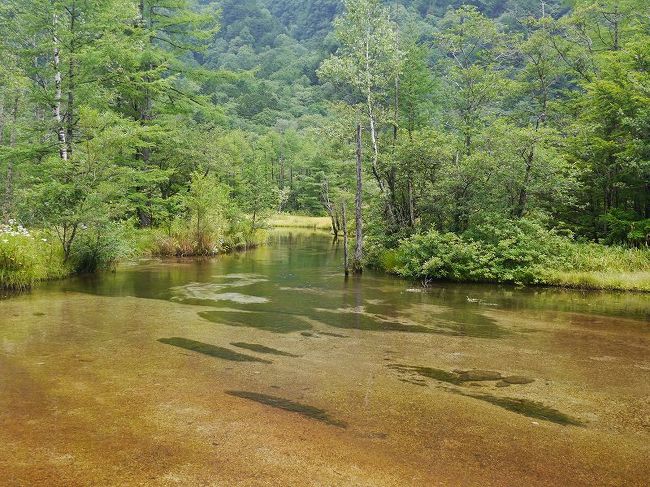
514, 251
99, 247
442, 256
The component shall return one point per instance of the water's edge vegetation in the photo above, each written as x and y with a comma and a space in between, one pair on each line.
522, 253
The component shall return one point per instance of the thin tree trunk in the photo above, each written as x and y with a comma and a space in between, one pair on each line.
58, 117
8, 199
522, 200
397, 79
410, 201
146, 115
371, 119
358, 247
2, 120
69, 119
346, 265
327, 203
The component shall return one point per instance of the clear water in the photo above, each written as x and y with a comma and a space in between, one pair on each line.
270, 365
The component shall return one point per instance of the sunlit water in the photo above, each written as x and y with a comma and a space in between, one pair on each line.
269, 368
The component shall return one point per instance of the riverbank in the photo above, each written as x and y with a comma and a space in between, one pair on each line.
522, 254
31, 256
28, 257
525, 258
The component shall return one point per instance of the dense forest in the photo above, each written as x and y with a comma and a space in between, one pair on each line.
490, 140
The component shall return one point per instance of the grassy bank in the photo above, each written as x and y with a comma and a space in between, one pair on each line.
28, 257
284, 220
521, 252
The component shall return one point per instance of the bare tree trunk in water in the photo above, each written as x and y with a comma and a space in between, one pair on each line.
331, 211
358, 246
346, 265
58, 117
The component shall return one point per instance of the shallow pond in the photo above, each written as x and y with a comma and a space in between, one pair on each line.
269, 368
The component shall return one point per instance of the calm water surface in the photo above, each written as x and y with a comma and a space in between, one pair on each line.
269, 368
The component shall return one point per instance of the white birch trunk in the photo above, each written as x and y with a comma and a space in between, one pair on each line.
58, 117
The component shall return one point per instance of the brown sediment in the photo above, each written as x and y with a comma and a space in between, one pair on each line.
137, 413
289, 405
211, 350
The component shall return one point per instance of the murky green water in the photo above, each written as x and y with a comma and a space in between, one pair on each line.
275, 342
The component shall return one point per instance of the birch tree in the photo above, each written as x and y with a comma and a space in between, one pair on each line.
367, 63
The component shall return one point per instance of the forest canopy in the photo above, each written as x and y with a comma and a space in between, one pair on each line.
451, 127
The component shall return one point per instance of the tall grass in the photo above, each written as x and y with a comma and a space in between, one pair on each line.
182, 241
593, 266
26, 258
284, 220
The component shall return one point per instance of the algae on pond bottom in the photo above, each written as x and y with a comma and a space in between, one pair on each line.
430, 372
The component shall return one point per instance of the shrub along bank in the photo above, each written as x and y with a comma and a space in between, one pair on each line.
518, 252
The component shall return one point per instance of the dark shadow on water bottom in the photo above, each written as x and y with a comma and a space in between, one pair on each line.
255, 347
288, 405
211, 350
532, 409
273, 322
358, 321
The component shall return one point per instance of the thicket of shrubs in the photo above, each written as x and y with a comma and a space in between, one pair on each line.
205, 222
508, 251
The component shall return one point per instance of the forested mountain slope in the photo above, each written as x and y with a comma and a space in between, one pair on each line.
483, 120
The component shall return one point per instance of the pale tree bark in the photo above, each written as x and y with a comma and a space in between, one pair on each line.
358, 201
146, 115
410, 200
373, 131
329, 207
397, 78
58, 117
70, 108
346, 265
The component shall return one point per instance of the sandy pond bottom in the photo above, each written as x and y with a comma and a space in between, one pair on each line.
134, 379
